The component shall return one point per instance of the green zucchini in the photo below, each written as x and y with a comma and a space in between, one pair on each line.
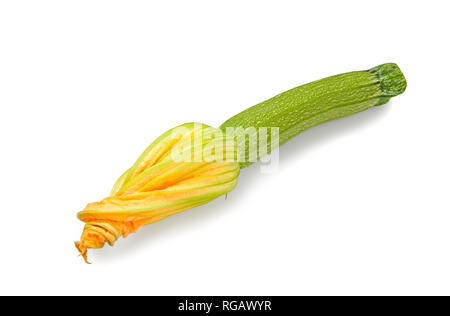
317, 102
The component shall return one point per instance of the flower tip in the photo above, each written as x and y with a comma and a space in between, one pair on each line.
82, 250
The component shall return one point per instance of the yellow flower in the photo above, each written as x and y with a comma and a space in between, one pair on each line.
187, 166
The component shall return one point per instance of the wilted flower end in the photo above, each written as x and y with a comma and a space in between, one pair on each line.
187, 166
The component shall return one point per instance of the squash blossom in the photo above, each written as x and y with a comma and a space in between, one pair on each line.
187, 166
193, 164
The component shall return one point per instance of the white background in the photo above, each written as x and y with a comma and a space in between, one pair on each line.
357, 206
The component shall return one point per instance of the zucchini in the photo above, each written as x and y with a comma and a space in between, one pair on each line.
158, 185
303, 107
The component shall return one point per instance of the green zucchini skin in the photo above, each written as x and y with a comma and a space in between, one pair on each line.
303, 107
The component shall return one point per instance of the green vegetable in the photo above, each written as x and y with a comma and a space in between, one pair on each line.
317, 102
159, 184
